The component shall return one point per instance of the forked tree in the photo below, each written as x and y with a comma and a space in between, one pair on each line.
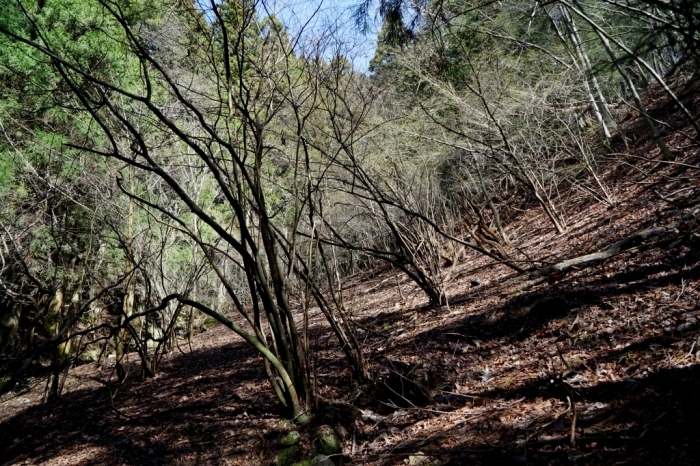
220, 93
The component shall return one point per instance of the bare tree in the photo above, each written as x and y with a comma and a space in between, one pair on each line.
223, 113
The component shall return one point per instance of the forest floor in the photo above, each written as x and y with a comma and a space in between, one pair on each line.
496, 377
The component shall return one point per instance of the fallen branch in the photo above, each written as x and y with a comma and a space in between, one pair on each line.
635, 240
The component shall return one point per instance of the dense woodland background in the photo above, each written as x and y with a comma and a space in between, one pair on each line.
172, 166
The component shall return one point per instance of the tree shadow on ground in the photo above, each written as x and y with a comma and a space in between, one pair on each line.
649, 417
523, 315
207, 400
198, 404
646, 421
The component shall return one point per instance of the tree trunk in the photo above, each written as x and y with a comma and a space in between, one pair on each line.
128, 303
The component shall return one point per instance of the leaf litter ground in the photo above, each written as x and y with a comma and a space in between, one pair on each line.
495, 377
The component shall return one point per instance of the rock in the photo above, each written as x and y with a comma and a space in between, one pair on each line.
286, 456
285, 424
290, 439
578, 379
327, 441
486, 375
368, 415
422, 460
687, 325
342, 432
321, 460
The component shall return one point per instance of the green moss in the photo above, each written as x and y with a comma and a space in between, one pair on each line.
208, 323
90, 355
328, 442
290, 439
287, 456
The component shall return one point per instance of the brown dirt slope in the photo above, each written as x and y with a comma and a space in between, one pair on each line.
500, 376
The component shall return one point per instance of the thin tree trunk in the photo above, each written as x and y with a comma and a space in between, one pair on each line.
54, 319
492, 207
588, 72
128, 304
601, 102
640, 62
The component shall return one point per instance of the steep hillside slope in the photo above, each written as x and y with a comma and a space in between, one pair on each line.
597, 365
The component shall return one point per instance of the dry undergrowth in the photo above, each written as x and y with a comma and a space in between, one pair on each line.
496, 377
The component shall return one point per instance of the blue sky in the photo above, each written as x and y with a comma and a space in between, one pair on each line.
327, 25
